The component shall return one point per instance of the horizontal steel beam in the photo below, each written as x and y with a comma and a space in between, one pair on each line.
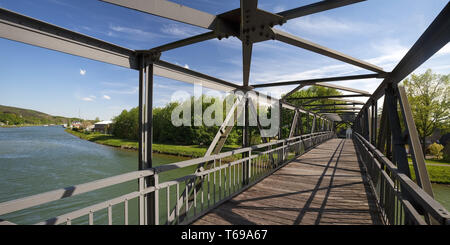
169, 10
315, 8
175, 72
343, 88
339, 110
338, 104
315, 80
349, 101
308, 45
436, 36
329, 96
335, 108
21, 28
293, 91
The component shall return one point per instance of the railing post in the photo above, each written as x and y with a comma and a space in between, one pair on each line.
156, 199
280, 124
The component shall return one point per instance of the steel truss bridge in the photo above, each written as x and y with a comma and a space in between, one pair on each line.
215, 191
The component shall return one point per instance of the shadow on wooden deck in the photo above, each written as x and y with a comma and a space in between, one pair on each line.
324, 186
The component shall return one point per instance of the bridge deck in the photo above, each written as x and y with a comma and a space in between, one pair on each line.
324, 186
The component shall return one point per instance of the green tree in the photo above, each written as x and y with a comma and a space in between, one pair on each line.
428, 94
126, 125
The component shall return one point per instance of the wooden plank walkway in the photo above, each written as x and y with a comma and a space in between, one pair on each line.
324, 186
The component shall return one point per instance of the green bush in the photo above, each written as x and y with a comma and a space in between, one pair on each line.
436, 150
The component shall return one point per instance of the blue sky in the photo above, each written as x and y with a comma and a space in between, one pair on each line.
377, 31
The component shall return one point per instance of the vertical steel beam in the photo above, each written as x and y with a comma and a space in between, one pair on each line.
280, 125
370, 123
145, 135
416, 150
382, 135
300, 124
245, 142
248, 13
366, 124
313, 127
418, 158
399, 151
141, 138
294, 125
307, 131
375, 122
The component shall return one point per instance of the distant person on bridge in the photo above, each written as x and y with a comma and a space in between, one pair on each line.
348, 133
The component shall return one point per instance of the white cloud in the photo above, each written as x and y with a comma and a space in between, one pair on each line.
82, 72
131, 33
186, 66
180, 31
326, 26
87, 99
106, 97
444, 50
279, 8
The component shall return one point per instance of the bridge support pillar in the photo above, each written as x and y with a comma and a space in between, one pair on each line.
148, 203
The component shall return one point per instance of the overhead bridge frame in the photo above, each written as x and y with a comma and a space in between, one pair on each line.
250, 25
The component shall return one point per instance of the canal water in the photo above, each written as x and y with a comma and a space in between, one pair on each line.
39, 159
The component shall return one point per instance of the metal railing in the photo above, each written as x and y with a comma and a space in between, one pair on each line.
225, 179
400, 200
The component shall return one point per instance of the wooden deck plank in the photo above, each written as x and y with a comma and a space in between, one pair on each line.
323, 186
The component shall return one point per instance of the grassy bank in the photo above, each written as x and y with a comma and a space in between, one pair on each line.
432, 161
437, 174
193, 151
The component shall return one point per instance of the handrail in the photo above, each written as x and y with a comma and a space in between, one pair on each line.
195, 161
50, 196
431, 206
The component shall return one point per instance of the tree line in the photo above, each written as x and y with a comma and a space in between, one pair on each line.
126, 125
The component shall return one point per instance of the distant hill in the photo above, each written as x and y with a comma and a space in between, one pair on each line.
18, 116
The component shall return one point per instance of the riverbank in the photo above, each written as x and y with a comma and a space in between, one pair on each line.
437, 174
26, 125
193, 151
438, 171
